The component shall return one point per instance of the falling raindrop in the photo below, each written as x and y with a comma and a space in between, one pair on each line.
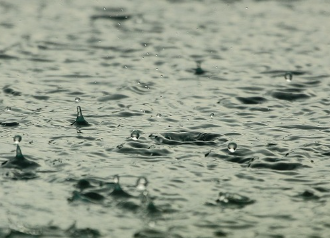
232, 147
17, 139
77, 99
141, 184
288, 76
135, 135
116, 179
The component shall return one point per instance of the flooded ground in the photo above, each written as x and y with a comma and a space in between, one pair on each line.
198, 119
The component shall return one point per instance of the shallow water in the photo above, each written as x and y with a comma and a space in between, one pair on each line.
165, 87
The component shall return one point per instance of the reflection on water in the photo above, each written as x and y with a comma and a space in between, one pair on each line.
194, 119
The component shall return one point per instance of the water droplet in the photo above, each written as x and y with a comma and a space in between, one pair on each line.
116, 179
288, 76
156, 55
118, 24
77, 99
232, 147
145, 44
135, 135
161, 76
156, 68
78, 130
159, 115
17, 139
212, 115
104, 9
141, 184
246, 8
8, 109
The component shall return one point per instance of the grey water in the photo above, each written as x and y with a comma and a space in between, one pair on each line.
164, 119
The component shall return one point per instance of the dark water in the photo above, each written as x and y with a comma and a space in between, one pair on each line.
165, 87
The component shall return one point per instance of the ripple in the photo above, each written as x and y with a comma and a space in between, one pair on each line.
251, 100
181, 138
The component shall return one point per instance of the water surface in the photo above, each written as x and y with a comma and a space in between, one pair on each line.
164, 88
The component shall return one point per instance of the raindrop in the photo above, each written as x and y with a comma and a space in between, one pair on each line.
141, 184
8, 109
156, 55
246, 8
77, 99
212, 115
118, 24
135, 135
161, 76
156, 68
145, 44
17, 139
288, 77
116, 179
104, 9
159, 115
232, 147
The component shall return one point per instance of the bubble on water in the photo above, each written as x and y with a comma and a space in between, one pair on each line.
232, 147
17, 139
212, 115
159, 115
8, 109
141, 184
77, 99
135, 135
288, 76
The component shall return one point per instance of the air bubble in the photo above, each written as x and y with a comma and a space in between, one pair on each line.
232, 147
17, 139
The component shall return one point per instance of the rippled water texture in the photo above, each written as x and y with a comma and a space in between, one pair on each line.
219, 109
